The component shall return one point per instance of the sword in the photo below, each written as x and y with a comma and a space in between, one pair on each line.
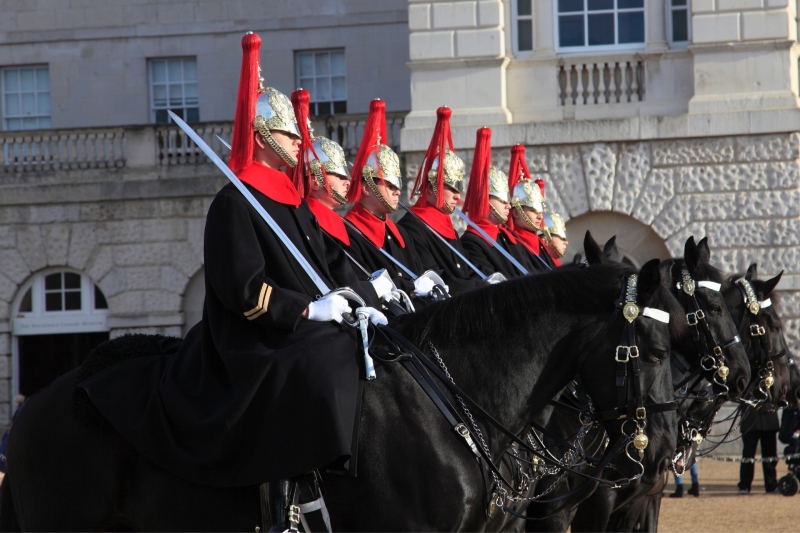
306, 266
491, 241
452, 249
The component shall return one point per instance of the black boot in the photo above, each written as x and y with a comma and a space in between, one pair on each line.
695, 490
283, 511
678, 492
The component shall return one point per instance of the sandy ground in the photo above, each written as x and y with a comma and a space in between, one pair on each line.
721, 509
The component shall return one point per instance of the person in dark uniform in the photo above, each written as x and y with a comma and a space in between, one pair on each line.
759, 425
527, 210
375, 192
266, 387
439, 184
487, 205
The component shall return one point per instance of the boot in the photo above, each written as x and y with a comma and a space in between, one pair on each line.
678, 492
284, 513
695, 490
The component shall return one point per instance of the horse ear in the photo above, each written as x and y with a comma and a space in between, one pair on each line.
703, 252
769, 285
690, 254
752, 272
649, 279
593, 254
611, 251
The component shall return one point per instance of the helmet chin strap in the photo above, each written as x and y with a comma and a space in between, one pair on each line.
260, 125
497, 214
526, 218
374, 188
316, 170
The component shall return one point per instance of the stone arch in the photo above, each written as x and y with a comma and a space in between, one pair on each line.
193, 300
637, 241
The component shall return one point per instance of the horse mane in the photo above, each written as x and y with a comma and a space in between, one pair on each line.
479, 313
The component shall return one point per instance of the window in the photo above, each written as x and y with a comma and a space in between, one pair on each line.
62, 291
600, 24
679, 21
323, 75
26, 98
524, 34
173, 86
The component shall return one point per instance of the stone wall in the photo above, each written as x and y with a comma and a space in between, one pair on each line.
742, 192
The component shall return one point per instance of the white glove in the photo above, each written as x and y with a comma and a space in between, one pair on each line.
375, 316
495, 278
423, 286
330, 308
383, 287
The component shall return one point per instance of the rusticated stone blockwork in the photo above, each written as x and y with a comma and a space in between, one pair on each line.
743, 193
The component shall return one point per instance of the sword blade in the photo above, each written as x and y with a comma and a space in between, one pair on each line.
389, 256
452, 249
300, 258
491, 241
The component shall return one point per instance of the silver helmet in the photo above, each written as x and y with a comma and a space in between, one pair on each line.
332, 159
498, 184
528, 194
454, 169
389, 164
274, 112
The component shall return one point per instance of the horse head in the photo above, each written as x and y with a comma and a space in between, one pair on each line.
711, 337
652, 339
595, 256
761, 327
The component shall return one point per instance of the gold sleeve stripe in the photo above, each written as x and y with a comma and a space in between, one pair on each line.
263, 303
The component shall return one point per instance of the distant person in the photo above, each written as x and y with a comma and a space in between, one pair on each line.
694, 491
759, 426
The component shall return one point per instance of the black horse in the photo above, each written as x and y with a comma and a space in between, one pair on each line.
511, 347
595, 513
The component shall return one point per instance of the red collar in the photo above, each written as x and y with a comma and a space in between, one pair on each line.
440, 222
373, 227
272, 183
492, 230
329, 220
555, 260
529, 239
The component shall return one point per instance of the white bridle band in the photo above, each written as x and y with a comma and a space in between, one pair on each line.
657, 314
765, 303
710, 285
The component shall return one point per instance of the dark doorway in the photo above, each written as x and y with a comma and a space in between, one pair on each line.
43, 358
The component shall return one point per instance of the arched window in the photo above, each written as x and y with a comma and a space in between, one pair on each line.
59, 317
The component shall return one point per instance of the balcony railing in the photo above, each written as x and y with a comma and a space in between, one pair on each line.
605, 80
154, 145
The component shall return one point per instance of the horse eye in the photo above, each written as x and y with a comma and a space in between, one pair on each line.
716, 310
658, 354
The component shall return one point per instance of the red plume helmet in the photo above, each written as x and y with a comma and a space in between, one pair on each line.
301, 173
243, 142
374, 136
477, 203
517, 167
441, 141
540, 183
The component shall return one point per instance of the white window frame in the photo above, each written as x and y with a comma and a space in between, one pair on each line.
41, 322
39, 116
297, 55
515, 19
688, 8
151, 83
566, 50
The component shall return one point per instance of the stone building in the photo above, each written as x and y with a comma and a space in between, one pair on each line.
651, 120
102, 203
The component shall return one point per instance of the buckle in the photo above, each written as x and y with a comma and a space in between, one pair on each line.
622, 350
700, 314
691, 318
634, 351
717, 351
462, 430
757, 330
641, 413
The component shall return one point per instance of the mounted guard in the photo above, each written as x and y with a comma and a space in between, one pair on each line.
527, 209
488, 206
266, 387
555, 236
439, 184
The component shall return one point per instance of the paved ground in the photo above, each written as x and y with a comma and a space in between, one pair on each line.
720, 509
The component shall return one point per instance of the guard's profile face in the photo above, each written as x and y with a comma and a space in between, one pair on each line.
287, 141
339, 183
536, 216
451, 197
504, 208
560, 245
389, 192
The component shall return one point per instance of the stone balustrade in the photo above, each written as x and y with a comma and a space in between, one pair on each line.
605, 80
55, 150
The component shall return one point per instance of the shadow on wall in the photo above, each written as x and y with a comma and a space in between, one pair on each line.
637, 241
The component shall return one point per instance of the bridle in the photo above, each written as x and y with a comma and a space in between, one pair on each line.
760, 360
